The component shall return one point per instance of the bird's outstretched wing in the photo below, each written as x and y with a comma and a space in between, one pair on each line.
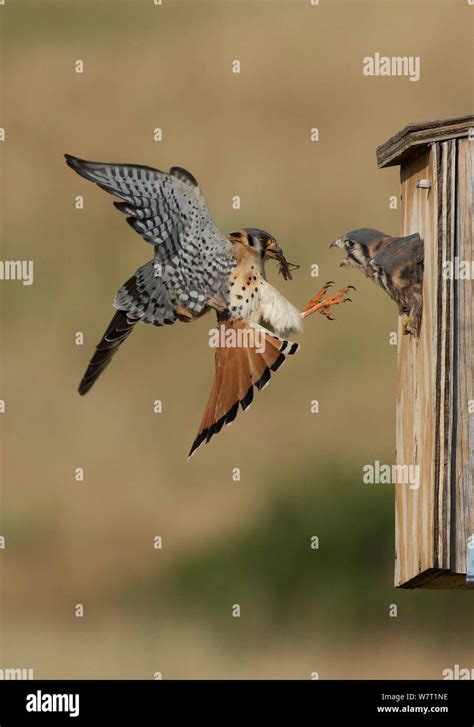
192, 257
250, 358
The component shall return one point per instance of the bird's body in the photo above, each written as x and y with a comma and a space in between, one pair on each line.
251, 297
393, 263
195, 269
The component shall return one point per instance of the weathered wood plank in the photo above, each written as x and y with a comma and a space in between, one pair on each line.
416, 393
435, 429
409, 140
437, 579
463, 459
444, 156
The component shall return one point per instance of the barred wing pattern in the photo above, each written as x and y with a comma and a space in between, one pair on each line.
192, 258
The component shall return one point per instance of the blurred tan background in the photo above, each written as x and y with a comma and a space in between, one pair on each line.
224, 542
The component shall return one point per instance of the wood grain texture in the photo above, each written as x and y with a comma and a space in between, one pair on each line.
435, 375
444, 160
463, 460
408, 141
415, 422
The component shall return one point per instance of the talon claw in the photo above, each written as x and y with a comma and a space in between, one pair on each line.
320, 303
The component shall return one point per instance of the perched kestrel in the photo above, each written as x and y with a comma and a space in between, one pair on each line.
195, 268
394, 263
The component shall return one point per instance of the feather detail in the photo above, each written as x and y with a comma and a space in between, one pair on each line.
118, 330
275, 309
249, 362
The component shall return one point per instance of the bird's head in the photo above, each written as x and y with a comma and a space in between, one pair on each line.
360, 247
266, 246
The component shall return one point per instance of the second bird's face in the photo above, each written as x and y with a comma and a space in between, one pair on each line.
360, 247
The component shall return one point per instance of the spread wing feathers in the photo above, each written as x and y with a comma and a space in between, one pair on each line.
238, 369
154, 200
169, 211
142, 298
154, 294
118, 330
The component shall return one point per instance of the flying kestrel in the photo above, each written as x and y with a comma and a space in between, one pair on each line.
394, 263
195, 268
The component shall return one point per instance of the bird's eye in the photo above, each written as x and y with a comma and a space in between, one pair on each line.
350, 244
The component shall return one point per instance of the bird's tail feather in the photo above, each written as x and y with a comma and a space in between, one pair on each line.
246, 355
118, 330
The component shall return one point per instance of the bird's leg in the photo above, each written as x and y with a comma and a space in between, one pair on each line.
320, 304
413, 317
405, 319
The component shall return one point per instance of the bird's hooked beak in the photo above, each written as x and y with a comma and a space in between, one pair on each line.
340, 242
275, 252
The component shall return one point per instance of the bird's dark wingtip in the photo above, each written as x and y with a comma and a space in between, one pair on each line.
200, 439
193, 450
84, 386
74, 162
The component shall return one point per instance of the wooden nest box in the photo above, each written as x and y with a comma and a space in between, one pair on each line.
435, 400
